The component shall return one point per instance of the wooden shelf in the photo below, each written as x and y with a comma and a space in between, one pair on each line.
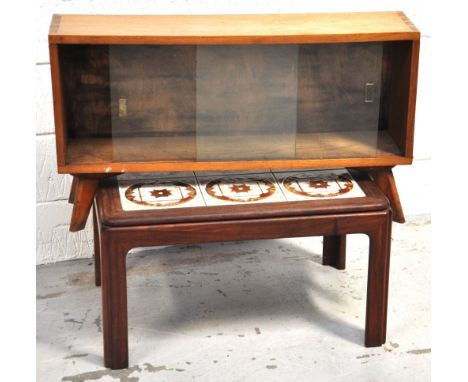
179, 153
354, 144
133, 149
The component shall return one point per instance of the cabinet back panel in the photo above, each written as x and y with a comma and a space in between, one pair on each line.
246, 102
157, 84
86, 89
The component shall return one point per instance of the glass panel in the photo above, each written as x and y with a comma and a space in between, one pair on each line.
143, 103
246, 102
339, 100
153, 102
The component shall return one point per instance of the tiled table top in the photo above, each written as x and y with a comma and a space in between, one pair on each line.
142, 191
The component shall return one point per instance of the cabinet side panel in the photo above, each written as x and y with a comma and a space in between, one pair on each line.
413, 85
402, 57
59, 112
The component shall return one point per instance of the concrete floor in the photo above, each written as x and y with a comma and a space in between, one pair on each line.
245, 311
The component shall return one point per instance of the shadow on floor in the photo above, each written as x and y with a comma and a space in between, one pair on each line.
226, 281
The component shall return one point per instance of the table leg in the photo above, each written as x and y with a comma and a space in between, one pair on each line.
114, 301
377, 283
334, 251
97, 250
71, 198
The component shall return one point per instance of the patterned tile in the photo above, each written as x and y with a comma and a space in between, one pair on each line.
240, 189
159, 193
318, 184
143, 191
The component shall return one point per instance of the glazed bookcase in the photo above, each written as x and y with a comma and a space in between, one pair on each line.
231, 92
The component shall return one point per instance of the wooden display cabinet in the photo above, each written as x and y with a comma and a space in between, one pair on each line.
232, 92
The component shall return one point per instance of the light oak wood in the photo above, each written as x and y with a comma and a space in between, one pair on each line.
231, 29
385, 180
83, 196
71, 198
400, 100
413, 85
120, 167
179, 153
82, 193
58, 99
84, 119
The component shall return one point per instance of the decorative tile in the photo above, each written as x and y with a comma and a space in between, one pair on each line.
143, 191
240, 189
159, 193
318, 185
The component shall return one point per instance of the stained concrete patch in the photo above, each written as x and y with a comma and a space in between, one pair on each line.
84, 279
183, 260
154, 369
257, 331
76, 356
97, 322
73, 321
121, 375
79, 322
419, 351
47, 296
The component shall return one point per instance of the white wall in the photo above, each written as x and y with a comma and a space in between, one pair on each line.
55, 243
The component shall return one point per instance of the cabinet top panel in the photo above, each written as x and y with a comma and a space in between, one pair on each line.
232, 29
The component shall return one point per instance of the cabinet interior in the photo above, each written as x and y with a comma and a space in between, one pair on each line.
150, 103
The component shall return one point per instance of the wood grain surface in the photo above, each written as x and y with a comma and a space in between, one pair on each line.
231, 29
160, 153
